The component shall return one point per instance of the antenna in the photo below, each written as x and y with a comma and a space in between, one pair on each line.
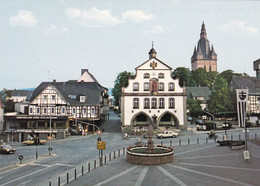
152, 44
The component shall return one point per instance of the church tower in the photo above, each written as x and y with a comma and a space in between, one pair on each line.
204, 56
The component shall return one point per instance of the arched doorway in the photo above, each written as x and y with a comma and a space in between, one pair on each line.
141, 119
168, 119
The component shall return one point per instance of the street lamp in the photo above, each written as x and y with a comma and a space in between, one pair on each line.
50, 149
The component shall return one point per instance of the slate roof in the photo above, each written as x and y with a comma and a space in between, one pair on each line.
250, 83
92, 90
22, 93
198, 92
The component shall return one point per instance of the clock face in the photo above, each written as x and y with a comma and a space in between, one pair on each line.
153, 73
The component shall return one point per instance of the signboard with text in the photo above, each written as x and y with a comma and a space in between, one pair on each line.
101, 145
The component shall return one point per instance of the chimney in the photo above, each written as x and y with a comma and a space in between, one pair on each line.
54, 80
83, 70
257, 68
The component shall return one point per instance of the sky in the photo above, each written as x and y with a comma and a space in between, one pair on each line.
55, 39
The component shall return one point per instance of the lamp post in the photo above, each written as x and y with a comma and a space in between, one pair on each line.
50, 149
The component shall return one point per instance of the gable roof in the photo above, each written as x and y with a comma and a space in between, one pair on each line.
151, 60
250, 83
91, 90
198, 92
22, 93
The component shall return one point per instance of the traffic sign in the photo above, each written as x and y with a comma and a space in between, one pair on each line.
101, 145
99, 132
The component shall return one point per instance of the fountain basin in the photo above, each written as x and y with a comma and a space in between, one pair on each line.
140, 155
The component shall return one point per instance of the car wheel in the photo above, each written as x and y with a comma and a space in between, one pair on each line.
174, 136
11, 152
161, 136
25, 144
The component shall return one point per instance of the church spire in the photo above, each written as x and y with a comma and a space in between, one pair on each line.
152, 53
203, 33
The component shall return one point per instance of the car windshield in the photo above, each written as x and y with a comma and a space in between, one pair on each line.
7, 147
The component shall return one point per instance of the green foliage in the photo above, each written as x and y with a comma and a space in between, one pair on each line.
203, 78
184, 76
219, 99
121, 81
5, 95
194, 107
227, 74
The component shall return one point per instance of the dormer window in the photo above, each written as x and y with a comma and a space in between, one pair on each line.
146, 75
82, 99
53, 97
161, 75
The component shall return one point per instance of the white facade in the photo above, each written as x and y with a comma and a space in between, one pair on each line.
153, 97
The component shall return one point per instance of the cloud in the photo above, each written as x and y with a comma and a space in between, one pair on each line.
24, 18
57, 29
136, 16
157, 29
93, 17
239, 28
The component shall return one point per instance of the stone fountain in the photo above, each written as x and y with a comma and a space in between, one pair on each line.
150, 154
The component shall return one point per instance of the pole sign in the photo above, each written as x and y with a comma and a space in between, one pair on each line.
99, 132
242, 98
101, 145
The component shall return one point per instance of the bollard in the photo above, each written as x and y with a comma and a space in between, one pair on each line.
161, 143
180, 142
231, 137
255, 135
75, 173
67, 177
170, 143
49, 183
118, 152
223, 138
82, 170
239, 137
123, 150
58, 181
105, 158
95, 164
114, 154
198, 140
206, 139
110, 156
188, 141
88, 166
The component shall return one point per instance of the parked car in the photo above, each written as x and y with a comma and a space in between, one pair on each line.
32, 142
167, 134
7, 149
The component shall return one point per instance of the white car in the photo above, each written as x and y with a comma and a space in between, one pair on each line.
167, 134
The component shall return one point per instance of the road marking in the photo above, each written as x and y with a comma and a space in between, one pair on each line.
210, 175
24, 183
141, 177
212, 156
59, 164
24, 176
216, 166
171, 176
194, 150
116, 176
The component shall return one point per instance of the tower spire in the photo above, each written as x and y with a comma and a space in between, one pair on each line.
203, 33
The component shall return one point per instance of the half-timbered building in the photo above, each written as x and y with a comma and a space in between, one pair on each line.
62, 107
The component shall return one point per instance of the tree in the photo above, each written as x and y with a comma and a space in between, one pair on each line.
194, 107
219, 99
121, 81
184, 76
204, 78
5, 95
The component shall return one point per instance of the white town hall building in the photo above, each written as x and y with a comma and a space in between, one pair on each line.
153, 96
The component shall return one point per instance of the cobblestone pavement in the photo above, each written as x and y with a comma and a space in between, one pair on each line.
204, 164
